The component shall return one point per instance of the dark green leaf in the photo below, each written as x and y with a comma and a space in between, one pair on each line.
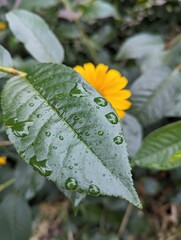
28, 183
153, 94
54, 119
35, 34
15, 218
132, 132
161, 148
37, 4
99, 10
140, 46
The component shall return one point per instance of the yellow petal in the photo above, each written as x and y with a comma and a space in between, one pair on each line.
3, 160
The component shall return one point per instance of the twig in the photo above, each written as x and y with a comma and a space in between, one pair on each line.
12, 71
125, 220
5, 143
84, 36
6, 184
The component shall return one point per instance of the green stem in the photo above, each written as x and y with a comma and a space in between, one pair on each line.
6, 184
12, 71
84, 36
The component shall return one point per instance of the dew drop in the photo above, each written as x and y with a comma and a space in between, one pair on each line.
39, 115
87, 133
48, 134
118, 140
61, 138
31, 104
97, 107
71, 183
112, 118
93, 190
76, 117
70, 167
80, 121
76, 164
100, 133
54, 147
100, 101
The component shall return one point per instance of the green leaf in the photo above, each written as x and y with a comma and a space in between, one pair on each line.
37, 4
35, 34
60, 125
98, 10
5, 58
140, 46
132, 132
15, 218
161, 149
153, 94
28, 183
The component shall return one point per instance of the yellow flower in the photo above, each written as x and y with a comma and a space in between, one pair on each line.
3, 160
109, 83
2, 26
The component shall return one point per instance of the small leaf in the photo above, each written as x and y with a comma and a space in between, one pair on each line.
15, 218
99, 10
161, 149
153, 94
58, 128
132, 132
140, 45
37, 4
5, 58
35, 34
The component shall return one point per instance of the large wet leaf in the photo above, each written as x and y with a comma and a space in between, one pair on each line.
153, 94
35, 34
68, 132
161, 149
5, 59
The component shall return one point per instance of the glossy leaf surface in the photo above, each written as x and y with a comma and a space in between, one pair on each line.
36, 36
59, 126
161, 149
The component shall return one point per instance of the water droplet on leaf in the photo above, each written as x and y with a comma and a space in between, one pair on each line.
48, 134
112, 118
31, 104
71, 183
61, 138
118, 140
78, 91
39, 115
100, 101
93, 190
100, 133
87, 133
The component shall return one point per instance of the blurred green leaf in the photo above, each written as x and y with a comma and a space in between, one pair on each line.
5, 58
132, 132
36, 36
37, 4
56, 123
15, 218
139, 46
98, 10
161, 148
28, 183
153, 94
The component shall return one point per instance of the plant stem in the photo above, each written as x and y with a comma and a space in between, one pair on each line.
125, 220
6, 184
84, 36
5, 143
12, 71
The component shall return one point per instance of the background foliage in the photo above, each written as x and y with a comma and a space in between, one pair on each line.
142, 40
